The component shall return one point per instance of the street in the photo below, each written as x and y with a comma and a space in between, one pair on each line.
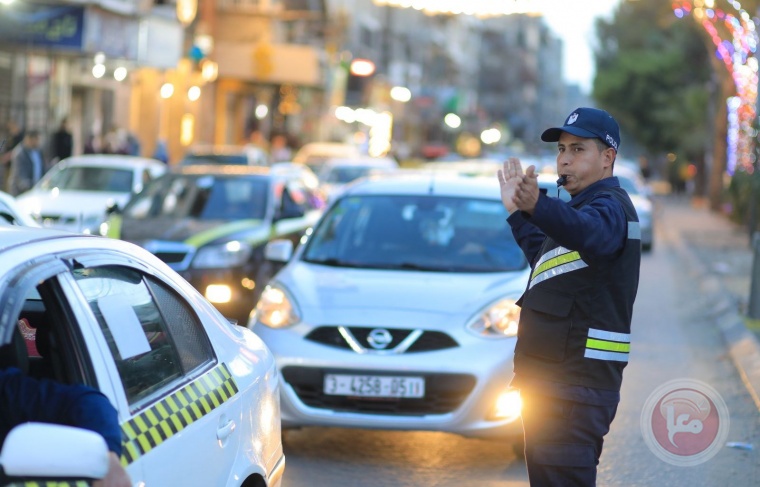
673, 338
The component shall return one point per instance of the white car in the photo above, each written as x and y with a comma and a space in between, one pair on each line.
76, 193
398, 311
11, 214
197, 398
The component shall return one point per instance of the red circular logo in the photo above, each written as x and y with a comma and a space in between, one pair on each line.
685, 422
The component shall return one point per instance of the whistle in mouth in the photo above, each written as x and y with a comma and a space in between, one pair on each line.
561, 181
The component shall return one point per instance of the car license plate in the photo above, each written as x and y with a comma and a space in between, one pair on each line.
374, 386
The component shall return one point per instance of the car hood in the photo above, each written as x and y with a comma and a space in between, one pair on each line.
74, 203
189, 230
330, 288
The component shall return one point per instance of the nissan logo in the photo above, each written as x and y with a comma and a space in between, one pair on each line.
379, 338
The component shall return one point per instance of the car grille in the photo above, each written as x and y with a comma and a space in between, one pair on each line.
423, 341
443, 393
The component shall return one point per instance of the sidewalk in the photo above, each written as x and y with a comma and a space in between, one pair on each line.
719, 255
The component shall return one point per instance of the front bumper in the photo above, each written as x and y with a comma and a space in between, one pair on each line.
461, 391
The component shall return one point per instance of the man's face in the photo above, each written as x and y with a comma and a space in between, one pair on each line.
32, 141
582, 162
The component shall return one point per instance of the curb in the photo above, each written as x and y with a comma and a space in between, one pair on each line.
743, 346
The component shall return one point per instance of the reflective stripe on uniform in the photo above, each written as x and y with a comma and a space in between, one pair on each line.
174, 413
607, 345
554, 263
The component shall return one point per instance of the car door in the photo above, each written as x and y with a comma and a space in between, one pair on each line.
63, 342
179, 421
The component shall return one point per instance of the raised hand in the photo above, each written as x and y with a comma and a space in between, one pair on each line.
526, 194
510, 177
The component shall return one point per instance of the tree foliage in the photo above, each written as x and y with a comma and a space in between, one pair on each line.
653, 73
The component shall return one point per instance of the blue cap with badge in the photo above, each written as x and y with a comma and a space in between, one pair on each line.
590, 123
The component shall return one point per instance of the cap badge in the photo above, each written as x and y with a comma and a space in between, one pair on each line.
572, 118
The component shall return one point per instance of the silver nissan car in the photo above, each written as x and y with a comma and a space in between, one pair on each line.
398, 310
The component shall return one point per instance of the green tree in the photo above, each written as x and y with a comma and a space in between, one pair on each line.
653, 72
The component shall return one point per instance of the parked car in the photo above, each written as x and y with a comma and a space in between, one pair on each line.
398, 311
247, 155
335, 173
210, 223
75, 193
644, 204
11, 214
197, 397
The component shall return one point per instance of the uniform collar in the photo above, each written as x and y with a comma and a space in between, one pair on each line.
610, 182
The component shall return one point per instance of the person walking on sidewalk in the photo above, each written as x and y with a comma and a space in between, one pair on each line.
27, 165
575, 320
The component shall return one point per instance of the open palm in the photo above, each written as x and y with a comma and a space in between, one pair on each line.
509, 179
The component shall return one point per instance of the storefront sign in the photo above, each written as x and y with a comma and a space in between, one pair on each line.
42, 26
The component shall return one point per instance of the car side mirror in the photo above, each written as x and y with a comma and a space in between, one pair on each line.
112, 208
290, 211
42, 450
279, 250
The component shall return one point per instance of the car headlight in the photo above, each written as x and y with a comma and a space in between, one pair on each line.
276, 308
499, 320
230, 254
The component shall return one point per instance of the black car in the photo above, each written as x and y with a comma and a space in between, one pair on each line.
210, 223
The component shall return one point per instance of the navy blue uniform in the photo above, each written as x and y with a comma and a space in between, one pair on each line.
24, 399
574, 333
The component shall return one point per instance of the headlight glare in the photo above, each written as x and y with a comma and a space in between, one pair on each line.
275, 308
498, 320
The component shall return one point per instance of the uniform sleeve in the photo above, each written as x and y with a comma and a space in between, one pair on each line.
598, 229
24, 399
527, 235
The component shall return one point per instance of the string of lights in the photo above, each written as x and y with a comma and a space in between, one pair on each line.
737, 53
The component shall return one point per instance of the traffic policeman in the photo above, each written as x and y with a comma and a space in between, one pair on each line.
575, 323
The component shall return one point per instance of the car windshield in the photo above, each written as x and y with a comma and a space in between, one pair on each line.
429, 233
84, 178
203, 197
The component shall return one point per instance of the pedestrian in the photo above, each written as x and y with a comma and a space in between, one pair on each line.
279, 150
24, 399
62, 143
575, 320
14, 136
27, 164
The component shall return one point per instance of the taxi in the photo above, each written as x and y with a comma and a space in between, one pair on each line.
197, 397
211, 222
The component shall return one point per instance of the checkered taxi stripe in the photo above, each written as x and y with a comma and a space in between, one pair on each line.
164, 419
176, 412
